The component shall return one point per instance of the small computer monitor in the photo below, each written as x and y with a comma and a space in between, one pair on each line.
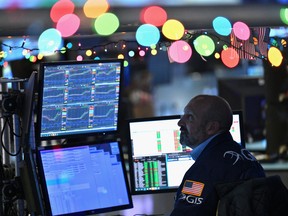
83, 179
237, 128
78, 98
157, 160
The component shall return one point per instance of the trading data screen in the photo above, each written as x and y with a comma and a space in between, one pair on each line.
158, 161
79, 98
89, 178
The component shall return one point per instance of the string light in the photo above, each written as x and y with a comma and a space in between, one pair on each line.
120, 46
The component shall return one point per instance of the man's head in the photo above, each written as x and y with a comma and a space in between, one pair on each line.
204, 116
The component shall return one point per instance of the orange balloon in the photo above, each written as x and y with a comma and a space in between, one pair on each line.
94, 8
230, 57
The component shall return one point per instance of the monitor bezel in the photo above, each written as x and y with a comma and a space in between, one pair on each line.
27, 169
157, 118
99, 134
41, 174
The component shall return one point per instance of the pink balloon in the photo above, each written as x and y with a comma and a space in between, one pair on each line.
68, 25
241, 30
180, 51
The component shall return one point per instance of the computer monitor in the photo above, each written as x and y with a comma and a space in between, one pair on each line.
26, 111
27, 167
83, 179
157, 160
237, 128
78, 98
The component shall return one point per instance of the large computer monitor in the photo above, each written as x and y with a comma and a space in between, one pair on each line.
84, 179
27, 167
157, 160
78, 98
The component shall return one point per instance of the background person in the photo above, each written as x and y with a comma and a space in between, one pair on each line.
218, 158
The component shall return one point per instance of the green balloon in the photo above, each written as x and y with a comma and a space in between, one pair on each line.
204, 45
106, 24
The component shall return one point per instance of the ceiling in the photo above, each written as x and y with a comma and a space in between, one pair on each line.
34, 21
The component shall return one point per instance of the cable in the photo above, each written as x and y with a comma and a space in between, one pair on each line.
11, 127
2, 143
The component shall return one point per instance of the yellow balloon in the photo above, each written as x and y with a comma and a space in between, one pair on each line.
275, 56
173, 29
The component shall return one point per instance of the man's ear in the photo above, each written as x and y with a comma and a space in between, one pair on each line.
212, 127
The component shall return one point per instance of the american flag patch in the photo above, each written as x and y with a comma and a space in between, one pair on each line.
193, 188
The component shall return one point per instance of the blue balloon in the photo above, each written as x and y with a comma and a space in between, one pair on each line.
147, 35
49, 41
222, 26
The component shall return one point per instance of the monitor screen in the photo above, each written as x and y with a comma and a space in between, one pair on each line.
78, 97
83, 179
237, 128
158, 161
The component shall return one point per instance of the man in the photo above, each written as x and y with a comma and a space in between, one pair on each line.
218, 158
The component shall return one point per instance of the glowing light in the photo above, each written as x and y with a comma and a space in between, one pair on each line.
60, 9
24, 52
69, 45
28, 55
283, 42
230, 57
142, 53
153, 15
49, 41
97, 58
217, 55
154, 52
106, 24
79, 58
131, 53
120, 56
33, 59
125, 63
68, 25
153, 46
88, 52
241, 30
222, 26
180, 51
204, 45
275, 56
173, 29
94, 8
63, 50
147, 35
40, 56
2, 54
